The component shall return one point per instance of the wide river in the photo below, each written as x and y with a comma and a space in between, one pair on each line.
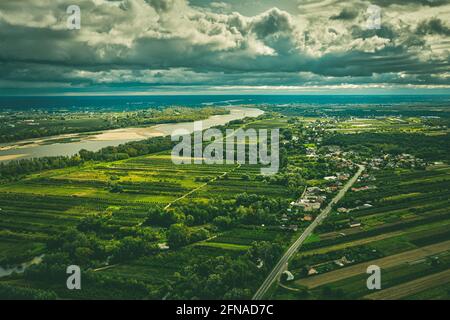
70, 144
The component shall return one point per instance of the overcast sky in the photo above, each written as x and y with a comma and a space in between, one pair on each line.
234, 46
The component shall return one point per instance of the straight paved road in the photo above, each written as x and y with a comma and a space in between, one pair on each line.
278, 269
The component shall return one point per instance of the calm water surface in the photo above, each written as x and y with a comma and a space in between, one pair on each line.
43, 147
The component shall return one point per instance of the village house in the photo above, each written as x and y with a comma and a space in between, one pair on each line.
342, 261
343, 210
312, 271
163, 246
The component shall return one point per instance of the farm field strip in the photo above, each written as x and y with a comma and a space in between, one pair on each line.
405, 257
68, 195
439, 218
349, 244
405, 224
439, 292
411, 287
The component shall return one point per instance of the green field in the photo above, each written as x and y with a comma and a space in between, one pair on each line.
227, 225
406, 214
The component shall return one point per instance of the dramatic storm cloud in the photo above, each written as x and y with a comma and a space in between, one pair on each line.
200, 46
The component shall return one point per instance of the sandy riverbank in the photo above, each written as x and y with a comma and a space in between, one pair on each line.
11, 157
126, 134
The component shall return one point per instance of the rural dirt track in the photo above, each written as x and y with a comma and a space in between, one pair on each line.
390, 261
412, 287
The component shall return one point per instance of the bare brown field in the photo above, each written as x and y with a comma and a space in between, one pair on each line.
404, 257
412, 287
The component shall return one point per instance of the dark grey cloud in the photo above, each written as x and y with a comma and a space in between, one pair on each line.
430, 3
433, 26
271, 22
139, 43
385, 31
161, 5
346, 14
